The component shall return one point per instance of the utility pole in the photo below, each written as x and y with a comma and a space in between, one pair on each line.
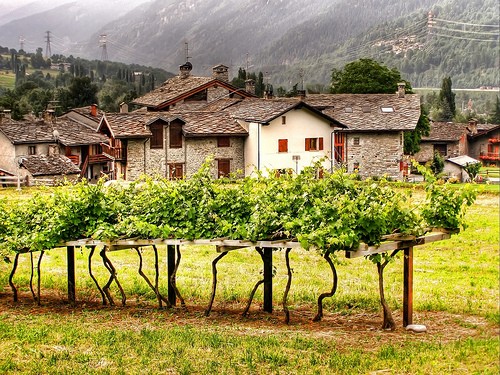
102, 44
48, 51
21, 42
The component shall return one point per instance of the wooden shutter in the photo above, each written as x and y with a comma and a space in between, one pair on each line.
321, 143
224, 167
157, 135
282, 145
223, 142
175, 135
308, 144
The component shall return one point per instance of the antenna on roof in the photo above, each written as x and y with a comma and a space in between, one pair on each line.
187, 51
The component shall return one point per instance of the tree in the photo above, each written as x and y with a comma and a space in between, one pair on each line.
446, 101
81, 92
366, 76
495, 116
437, 164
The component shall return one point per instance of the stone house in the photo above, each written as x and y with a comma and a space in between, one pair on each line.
42, 143
172, 144
187, 92
484, 144
372, 143
454, 167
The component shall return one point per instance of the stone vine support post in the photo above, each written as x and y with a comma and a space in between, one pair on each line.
268, 279
70, 258
408, 286
170, 272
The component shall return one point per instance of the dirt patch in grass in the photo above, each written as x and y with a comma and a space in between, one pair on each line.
346, 329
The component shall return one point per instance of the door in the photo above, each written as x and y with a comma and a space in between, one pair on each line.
223, 168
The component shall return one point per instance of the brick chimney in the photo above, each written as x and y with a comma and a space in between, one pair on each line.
401, 89
185, 69
250, 86
472, 126
301, 94
93, 110
220, 72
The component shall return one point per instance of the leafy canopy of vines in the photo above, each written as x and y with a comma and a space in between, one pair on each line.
332, 213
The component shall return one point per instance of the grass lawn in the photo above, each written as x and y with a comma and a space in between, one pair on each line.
7, 79
456, 295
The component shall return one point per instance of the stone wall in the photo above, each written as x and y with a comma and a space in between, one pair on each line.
375, 154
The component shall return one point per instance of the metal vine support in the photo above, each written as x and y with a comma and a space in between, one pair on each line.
319, 314
173, 278
252, 293
214, 282
112, 271
388, 323
288, 284
31, 277
144, 276
38, 270
11, 276
103, 296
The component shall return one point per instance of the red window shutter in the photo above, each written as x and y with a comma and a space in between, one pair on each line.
308, 144
282, 145
321, 143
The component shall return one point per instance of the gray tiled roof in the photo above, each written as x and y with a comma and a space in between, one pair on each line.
210, 124
39, 165
366, 110
85, 112
171, 89
445, 132
131, 124
71, 133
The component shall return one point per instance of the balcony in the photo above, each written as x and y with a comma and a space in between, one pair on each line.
489, 156
114, 153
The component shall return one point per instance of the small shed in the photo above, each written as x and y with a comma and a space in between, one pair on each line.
454, 167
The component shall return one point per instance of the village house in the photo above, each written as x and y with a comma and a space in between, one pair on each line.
372, 144
46, 148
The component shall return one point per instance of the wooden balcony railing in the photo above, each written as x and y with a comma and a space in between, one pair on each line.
117, 153
490, 156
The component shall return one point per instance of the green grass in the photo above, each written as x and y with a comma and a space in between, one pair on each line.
7, 79
456, 294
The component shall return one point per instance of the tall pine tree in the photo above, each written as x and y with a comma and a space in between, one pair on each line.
446, 101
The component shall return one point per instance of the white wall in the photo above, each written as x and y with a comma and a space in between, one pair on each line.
300, 124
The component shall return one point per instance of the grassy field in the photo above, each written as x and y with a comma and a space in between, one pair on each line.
7, 79
456, 295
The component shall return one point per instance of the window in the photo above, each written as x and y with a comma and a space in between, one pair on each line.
314, 144
387, 109
441, 148
223, 142
157, 135
282, 145
355, 141
223, 167
348, 109
283, 120
366, 109
175, 171
31, 150
339, 144
175, 135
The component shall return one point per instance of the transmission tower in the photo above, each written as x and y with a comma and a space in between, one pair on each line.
48, 51
102, 44
21, 42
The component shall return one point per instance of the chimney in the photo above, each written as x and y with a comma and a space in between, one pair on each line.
220, 72
472, 127
401, 89
268, 93
185, 69
250, 86
93, 110
7, 114
301, 94
123, 107
49, 115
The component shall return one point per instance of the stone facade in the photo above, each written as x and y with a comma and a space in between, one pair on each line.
373, 154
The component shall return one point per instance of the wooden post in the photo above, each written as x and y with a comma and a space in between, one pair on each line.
70, 256
268, 279
408, 286
170, 271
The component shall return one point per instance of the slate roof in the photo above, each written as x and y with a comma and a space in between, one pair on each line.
463, 160
265, 110
445, 132
71, 133
40, 165
86, 112
180, 87
199, 124
129, 125
364, 111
